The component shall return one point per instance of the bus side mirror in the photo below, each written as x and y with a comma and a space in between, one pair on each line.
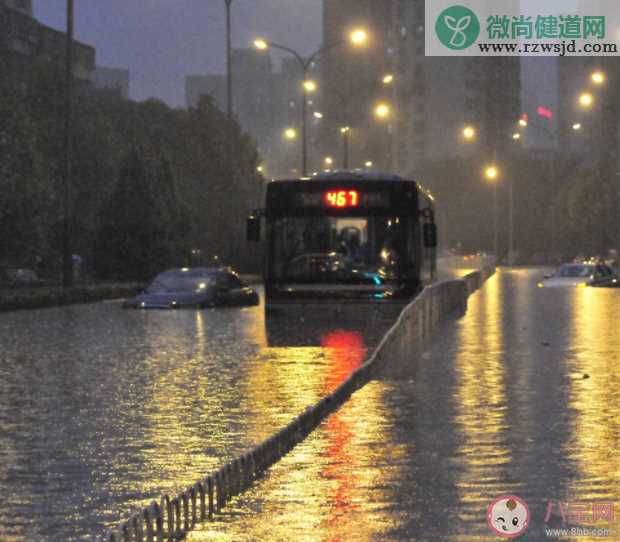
429, 232
253, 228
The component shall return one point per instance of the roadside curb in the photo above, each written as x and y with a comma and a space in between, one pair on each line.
36, 298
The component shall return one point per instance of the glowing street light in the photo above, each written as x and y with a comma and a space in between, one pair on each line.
469, 133
345, 130
310, 86
586, 99
382, 110
516, 136
359, 36
388, 79
317, 115
577, 126
290, 133
368, 163
523, 122
598, 77
491, 172
261, 44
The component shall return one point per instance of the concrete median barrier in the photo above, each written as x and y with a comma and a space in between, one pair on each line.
173, 517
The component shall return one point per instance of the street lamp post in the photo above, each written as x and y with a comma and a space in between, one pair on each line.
305, 66
491, 173
553, 175
229, 114
357, 37
345, 146
229, 100
346, 116
511, 224
67, 275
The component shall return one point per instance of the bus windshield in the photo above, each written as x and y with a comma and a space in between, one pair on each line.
368, 250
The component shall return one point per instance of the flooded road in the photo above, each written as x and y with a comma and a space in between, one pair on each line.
521, 396
104, 409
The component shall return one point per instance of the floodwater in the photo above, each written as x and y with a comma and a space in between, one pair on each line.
520, 396
102, 410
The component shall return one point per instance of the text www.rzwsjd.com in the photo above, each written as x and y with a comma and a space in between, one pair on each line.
562, 48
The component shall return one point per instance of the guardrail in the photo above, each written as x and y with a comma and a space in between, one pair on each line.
173, 517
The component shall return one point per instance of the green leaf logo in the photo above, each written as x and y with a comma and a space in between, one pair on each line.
457, 27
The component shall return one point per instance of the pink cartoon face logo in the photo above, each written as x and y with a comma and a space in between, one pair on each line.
508, 516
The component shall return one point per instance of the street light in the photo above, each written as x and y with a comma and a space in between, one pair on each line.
598, 77
345, 130
67, 257
345, 101
469, 133
329, 161
368, 163
261, 44
577, 126
382, 110
310, 86
357, 37
586, 100
290, 133
516, 136
491, 173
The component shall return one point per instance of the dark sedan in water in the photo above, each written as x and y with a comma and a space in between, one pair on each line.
194, 287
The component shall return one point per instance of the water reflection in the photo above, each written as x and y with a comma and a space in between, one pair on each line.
594, 394
498, 405
482, 416
127, 405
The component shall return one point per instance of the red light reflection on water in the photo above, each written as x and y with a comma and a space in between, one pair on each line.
345, 352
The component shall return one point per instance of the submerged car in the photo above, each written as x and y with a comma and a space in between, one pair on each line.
581, 274
194, 287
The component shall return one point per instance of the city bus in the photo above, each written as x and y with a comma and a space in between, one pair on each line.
339, 240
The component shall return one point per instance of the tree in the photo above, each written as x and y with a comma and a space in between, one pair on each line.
26, 199
132, 240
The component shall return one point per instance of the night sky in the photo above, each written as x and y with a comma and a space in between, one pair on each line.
162, 41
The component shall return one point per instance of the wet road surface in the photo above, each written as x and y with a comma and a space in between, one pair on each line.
520, 396
104, 409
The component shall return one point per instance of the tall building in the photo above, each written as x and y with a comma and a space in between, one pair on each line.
437, 96
23, 38
25, 6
